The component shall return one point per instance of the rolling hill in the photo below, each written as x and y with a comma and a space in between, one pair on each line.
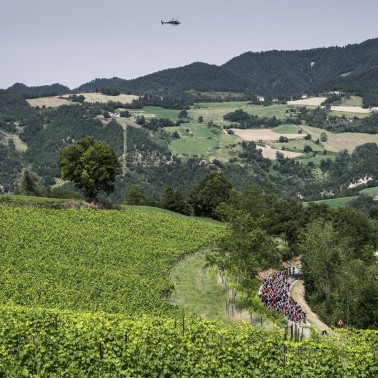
353, 68
289, 73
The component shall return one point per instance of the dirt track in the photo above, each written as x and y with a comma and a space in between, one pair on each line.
297, 293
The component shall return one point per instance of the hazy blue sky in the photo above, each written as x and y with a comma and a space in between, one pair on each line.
75, 41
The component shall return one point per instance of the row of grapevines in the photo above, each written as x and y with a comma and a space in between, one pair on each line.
93, 260
52, 343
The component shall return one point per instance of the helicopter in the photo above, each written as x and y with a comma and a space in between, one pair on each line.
173, 22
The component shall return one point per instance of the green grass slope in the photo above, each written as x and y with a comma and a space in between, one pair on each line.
196, 288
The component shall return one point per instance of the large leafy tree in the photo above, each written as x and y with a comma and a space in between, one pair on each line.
213, 190
30, 184
341, 280
248, 246
174, 200
92, 165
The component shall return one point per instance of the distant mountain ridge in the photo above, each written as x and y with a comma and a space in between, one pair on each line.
199, 76
270, 73
289, 73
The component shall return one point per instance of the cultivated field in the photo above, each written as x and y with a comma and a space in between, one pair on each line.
48, 102
352, 109
313, 101
202, 140
271, 153
267, 135
347, 106
55, 101
127, 122
111, 268
335, 202
373, 191
98, 97
334, 143
253, 135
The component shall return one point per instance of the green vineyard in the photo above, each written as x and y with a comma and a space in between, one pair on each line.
93, 260
49, 343
83, 294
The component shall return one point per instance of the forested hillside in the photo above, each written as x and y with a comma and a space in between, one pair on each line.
272, 73
282, 74
289, 73
39, 91
198, 76
363, 84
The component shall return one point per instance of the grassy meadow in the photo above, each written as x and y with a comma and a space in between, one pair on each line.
196, 288
370, 191
297, 145
343, 201
203, 140
352, 101
156, 112
335, 202
5, 137
215, 111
